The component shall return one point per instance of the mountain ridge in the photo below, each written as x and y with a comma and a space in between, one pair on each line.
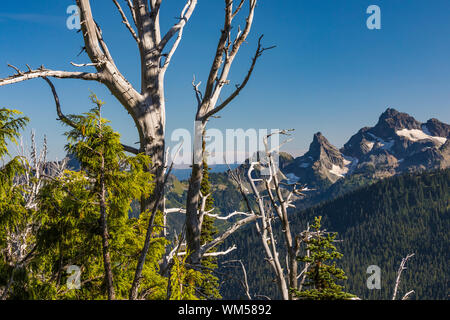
329, 172
398, 143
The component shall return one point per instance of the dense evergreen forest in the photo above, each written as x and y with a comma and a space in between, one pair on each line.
378, 225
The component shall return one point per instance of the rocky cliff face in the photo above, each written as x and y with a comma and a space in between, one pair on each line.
436, 128
397, 143
323, 163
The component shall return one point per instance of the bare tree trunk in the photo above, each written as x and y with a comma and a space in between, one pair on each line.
105, 239
267, 237
193, 226
268, 211
147, 105
208, 106
109, 278
153, 144
292, 251
399, 274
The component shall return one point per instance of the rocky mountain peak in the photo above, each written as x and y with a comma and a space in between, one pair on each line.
392, 120
434, 127
397, 143
321, 149
323, 163
319, 136
320, 140
389, 113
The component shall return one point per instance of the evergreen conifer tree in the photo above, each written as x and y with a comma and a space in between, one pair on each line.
209, 284
190, 283
323, 273
87, 220
14, 215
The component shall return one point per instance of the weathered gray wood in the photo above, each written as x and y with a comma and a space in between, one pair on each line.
146, 105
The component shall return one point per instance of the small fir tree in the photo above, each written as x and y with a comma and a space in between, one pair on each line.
201, 284
323, 273
210, 283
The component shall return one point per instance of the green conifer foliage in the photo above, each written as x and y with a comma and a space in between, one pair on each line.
10, 125
210, 283
184, 280
14, 216
189, 283
323, 273
85, 208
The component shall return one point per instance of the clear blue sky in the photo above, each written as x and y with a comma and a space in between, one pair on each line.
329, 73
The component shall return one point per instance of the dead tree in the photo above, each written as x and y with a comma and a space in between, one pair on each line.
21, 237
146, 105
399, 274
208, 106
273, 198
244, 281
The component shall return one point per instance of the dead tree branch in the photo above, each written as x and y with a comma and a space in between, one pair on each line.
125, 22
226, 52
244, 283
69, 122
399, 274
43, 72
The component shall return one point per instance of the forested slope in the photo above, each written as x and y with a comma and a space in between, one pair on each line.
378, 225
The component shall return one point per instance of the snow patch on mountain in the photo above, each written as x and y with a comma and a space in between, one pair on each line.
385, 145
416, 135
338, 171
370, 145
350, 163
